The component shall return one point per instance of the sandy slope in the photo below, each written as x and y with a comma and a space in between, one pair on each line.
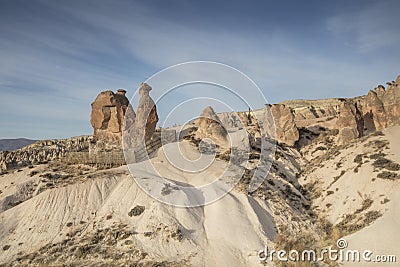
228, 232
87, 218
345, 194
382, 237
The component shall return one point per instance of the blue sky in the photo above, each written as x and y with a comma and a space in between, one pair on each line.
55, 56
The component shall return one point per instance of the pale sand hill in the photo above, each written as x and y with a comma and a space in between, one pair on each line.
228, 232
382, 237
354, 186
94, 217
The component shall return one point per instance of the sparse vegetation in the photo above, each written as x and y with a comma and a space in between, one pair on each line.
371, 216
136, 211
388, 175
358, 158
366, 203
33, 173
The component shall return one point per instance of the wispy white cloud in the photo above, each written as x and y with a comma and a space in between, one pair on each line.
272, 58
368, 28
61, 64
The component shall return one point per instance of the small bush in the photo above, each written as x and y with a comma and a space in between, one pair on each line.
358, 158
365, 205
33, 173
371, 216
388, 175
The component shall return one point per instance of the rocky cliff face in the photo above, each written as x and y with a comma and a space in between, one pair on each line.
43, 151
352, 117
286, 131
350, 122
382, 107
313, 109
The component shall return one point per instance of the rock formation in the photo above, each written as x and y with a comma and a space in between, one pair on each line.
313, 109
112, 115
107, 116
210, 126
374, 111
286, 131
231, 120
43, 151
350, 122
146, 114
382, 108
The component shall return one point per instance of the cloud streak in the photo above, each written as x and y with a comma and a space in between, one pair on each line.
369, 27
56, 56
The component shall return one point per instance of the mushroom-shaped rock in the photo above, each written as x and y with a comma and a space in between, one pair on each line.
107, 116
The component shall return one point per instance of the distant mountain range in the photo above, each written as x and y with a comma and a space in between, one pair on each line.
13, 144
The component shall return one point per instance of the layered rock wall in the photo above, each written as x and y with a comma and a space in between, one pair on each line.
286, 131
382, 107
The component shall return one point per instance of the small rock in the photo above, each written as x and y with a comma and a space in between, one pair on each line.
136, 211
